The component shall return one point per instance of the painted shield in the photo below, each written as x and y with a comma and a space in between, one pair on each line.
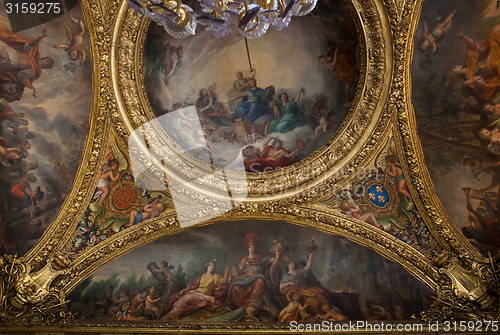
378, 195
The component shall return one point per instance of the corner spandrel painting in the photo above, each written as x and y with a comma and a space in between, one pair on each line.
250, 272
456, 82
45, 101
272, 101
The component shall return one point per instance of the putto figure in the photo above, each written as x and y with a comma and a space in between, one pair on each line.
77, 43
431, 39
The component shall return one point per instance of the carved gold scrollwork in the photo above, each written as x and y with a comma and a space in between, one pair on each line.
28, 298
468, 290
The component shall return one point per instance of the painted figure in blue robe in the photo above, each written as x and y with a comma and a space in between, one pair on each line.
151, 210
253, 106
287, 113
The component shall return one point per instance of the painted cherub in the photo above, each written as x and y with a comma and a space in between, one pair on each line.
151, 210
332, 313
124, 297
431, 39
394, 170
492, 137
379, 311
323, 115
110, 173
354, 211
131, 311
152, 303
75, 47
165, 269
290, 312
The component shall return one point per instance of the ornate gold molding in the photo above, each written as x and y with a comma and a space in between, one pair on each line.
404, 25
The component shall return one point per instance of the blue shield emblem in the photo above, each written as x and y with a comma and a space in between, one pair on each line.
378, 195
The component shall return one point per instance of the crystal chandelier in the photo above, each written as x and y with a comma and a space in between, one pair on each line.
242, 18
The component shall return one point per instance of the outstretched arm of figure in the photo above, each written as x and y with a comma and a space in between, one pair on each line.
37, 39
309, 262
266, 142
108, 158
224, 279
27, 82
82, 26
254, 71
13, 150
394, 152
469, 43
297, 98
478, 216
323, 317
151, 300
290, 154
241, 87
283, 311
169, 70
34, 91
238, 97
476, 80
149, 208
305, 306
73, 19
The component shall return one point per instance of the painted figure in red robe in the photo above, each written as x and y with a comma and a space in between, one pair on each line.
273, 156
256, 274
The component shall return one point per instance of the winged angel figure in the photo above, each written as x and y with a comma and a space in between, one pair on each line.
75, 47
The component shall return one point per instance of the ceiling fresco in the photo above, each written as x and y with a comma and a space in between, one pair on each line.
454, 71
353, 282
300, 105
45, 121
